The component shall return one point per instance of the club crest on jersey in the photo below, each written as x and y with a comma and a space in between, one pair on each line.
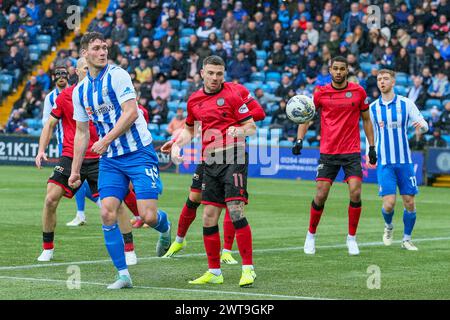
89, 111
381, 124
220, 102
243, 109
348, 94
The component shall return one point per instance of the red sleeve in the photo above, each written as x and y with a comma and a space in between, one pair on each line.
364, 105
145, 112
190, 119
240, 110
244, 93
316, 98
58, 106
256, 110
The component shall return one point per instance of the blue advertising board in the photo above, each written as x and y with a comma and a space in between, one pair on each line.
438, 161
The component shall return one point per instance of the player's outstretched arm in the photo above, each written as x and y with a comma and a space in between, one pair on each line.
247, 129
44, 140
368, 129
81, 143
301, 132
183, 139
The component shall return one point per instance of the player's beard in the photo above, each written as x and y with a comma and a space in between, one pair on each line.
343, 79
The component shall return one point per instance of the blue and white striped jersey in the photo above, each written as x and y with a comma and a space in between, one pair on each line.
49, 103
99, 100
390, 122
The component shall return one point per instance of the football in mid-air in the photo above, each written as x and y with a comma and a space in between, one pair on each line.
300, 109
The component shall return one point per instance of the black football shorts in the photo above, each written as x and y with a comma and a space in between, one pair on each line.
88, 171
330, 164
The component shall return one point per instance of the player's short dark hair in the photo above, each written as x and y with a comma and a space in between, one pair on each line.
60, 66
214, 60
90, 37
338, 59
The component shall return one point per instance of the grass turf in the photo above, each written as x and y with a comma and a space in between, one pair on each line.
278, 214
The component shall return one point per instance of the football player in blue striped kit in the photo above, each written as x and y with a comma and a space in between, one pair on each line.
391, 116
107, 97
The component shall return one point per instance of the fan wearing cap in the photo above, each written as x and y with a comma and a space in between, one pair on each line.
204, 32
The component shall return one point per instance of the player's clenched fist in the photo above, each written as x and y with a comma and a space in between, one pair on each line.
74, 180
372, 155
298, 145
167, 147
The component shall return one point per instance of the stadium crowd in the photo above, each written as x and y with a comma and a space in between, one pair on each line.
275, 48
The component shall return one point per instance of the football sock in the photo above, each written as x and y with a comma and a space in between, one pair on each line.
409, 219
187, 215
244, 241
79, 197
128, 240
228, 231
114, 245
47, 240
315, 214
211, 240
81, 215
245, 267
179, 239
130, 201
388, 216
88, 192
354, 212
124, 272
163, 223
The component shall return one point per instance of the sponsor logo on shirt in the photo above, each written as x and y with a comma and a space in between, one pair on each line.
381, 124
127, 91
243, 109
348, 94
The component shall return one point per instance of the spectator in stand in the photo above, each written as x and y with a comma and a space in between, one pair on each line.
251, 35
159, 112
161, 88
206, 12
193, 65
179, 67
195, 84
388, 60
324, 77
333, 43
229, 24
293, 57
143, 71
441, 28
418, 61
276, 59
311, 72
204, 51
313, 34
277, 34
204, 31
240, 69
402, 61
444, 119
418, 141
43, 79
221, 52
174, 20
191, 18
16, 123
417, 93
436, 62
177, 123
13, 63
170, 40
165, 63
283, 15
265, 99
294, 32
352, 18
250, 55
238, 12
440, 87
433, 120
437, 141
221, 13
285, 87
146, 88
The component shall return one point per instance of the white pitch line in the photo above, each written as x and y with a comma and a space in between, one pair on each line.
188, 255
249, 294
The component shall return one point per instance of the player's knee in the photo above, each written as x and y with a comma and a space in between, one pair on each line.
192, 203
241, 223
108, 215
355, 195
388, 206
321, 196
51, 201
409, 204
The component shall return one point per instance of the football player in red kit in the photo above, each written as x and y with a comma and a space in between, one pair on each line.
342, 104
189, 210
226, 121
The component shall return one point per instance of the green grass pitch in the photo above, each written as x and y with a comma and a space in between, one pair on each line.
278, 214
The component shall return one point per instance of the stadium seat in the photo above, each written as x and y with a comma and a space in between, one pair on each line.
43, 46
366, 67
44, 38
134, 41
184, 85
285, 143
5, 87
260, 63
183, 105
163, 128
445, 102
131, 32
401, 79
273, 84
251, 86
433, 102
401, 90
257, 76
267, 120
446, 138
184, 42
152, 104
175, 84
34, 56
187, 32
273, 76
173, 105
6, 79
261, 54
